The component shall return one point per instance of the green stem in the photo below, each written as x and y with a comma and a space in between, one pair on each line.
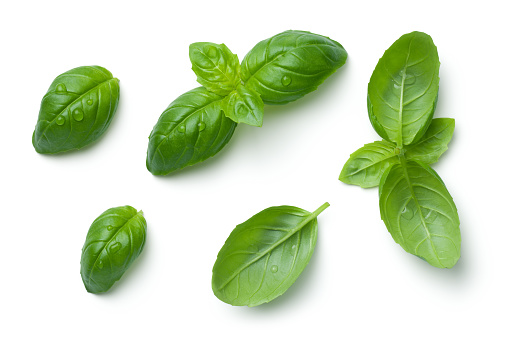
320, 210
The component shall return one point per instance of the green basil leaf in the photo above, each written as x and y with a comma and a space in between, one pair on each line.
403, 89
244, 106
216, 67
264, 255
291, 64
433, 143
367, 165
115, 239
192, 129
77, 109
420, 214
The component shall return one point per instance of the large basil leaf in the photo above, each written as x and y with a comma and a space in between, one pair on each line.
77, 109
115, 239
403, 89
367, 165
420, 214
433, 143
216, 67
244, 106
192, 129
264, 255
290, 64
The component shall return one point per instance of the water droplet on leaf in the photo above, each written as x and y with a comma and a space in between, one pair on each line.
274, 268
61, 88
77, 114
407, 213
115, 247
286, 80
201, 126
100, 264
90, 102
109, 228
409, 79
60, 120
294, 247
182, 128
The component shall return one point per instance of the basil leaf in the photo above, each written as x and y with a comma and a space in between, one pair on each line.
115, 239
403, 89
77, 109
433, 143
217, 68
264, 255
420, 213
291, 64
244, 106
367, 165
192, 129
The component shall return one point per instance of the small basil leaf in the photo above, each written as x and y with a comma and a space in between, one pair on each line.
115, 239
264, 255
433, 143
367, 165
244, 106
420, 214
403, 89
216, 67
192, 129
77, 109
291, 64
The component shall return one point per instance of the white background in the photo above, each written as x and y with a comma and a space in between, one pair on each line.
359, 283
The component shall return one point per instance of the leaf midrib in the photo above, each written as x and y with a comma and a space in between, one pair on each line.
414, 197
303, 223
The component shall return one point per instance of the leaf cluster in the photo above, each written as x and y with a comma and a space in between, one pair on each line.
415, 205
278, 70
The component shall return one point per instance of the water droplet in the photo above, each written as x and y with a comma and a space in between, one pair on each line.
60, 120
109, 228
211, 51
396, 86
115, 247
182, 128
274, 268
201, 126
90, 102
294, 247
407, 213
409, 78
100, 264
61, 88
77, 114
286, 80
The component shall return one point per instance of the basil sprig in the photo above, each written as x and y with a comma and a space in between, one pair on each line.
415, 205
201, 122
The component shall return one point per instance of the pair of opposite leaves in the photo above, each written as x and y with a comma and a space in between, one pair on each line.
258, 262
80, 104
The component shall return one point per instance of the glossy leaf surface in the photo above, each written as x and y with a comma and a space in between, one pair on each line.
77, 109
244, 106
216, 67
433, 143
420, 214
115, 239
264, 255
290, 64
192, 129
367, 165
403, 89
